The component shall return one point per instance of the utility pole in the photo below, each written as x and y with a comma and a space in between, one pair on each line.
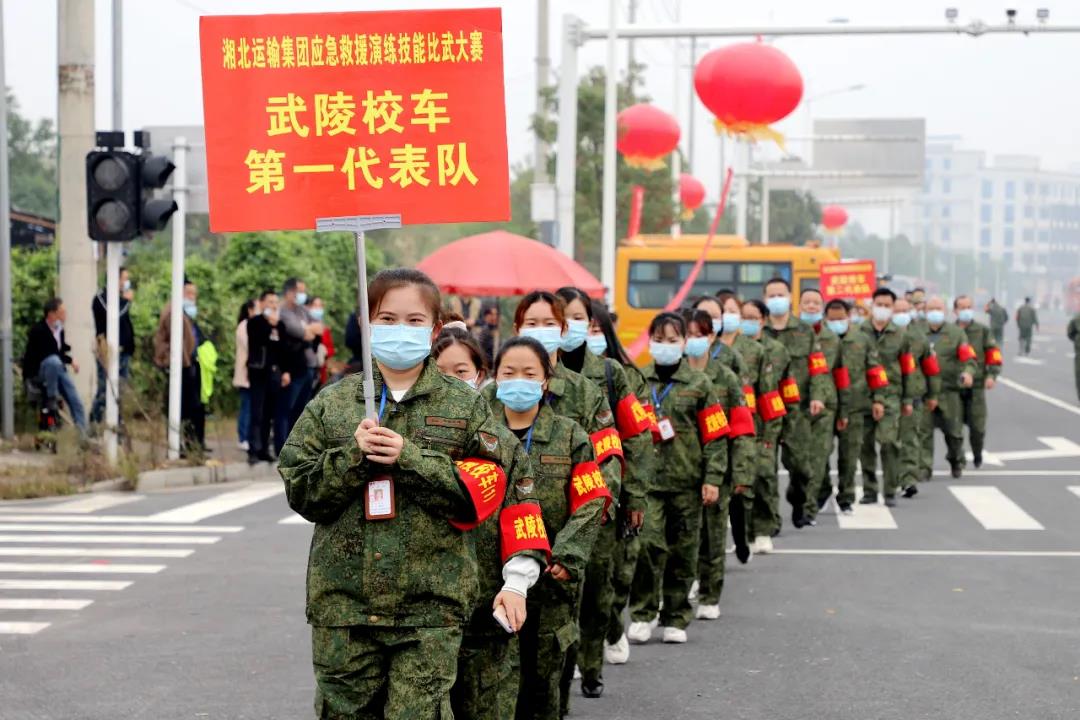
7, 427
607, 212
692, 108
113, 252
631, 18
676, 158
543, 197
78, 270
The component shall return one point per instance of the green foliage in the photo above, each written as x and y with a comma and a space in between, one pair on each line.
33, 281
793, 216
32, 156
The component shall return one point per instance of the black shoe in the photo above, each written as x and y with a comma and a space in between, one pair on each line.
977, 457
798, 519
870, 499
822, 502
742, 552
809, 521
957, 471
775, 533
890, 501
592, 688
911, 491
845, 507
253, 460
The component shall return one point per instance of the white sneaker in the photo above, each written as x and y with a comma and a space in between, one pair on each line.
763, 545
708, 612
639, 632
655, 622
243, 445
674, 635
618, 653
693, 591
577, 673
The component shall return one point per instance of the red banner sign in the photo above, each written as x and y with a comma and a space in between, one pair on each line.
357, 113
848, 280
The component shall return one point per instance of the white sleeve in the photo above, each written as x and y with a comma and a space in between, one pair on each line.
519, 574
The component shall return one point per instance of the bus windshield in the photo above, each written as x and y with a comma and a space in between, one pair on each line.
654, 282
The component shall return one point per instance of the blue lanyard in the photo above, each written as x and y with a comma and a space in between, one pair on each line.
382, 404
716, 353
658, 400
528, 439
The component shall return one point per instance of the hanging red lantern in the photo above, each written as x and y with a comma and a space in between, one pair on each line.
691, 195
833, 218
645, 135
748, 87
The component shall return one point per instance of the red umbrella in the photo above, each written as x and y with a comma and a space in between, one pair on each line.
502, 263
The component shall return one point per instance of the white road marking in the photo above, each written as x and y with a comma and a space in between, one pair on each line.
1070, 407
92, 503
294, 519
993, 509
94, 552
89, 519
35, 527
219, 504
1011, 473
988, 458
1028, 361
936, 553
64, 584
866, 517
21, 628
1075, 490
118, 539
1059, 447
42, 604
89, 568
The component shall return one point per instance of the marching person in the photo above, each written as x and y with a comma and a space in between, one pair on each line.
956, 360
692, 467
1027, 320
999, 318
722, 346
987, 369
377, 598
822, 426
1073, 333
923, 386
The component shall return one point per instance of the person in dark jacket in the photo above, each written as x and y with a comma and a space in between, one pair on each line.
268, 378
47, 358
127, 341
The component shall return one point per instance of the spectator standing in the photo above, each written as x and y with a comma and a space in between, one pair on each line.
300, 361
324, 345
192, 410
353, 341
487, 332
127, 341
240, 373
467, 307
47, 359
268, 380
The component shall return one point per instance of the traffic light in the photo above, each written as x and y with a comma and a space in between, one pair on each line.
120, 185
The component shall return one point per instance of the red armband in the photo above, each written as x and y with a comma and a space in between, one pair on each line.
907, 364
930, 365
485, 482
630, 417
521, 527
653, 420
841, 378
993, 356
818, 364
772, 406
712, 424
741, 421
607, 444
749, 398
965, 352
877, 378
789, 390
587, 483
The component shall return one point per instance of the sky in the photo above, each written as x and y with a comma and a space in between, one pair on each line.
1002, 94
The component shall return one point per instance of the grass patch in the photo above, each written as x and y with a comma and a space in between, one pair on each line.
25, 489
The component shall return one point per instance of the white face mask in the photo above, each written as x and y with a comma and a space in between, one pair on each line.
474, 382
881, 314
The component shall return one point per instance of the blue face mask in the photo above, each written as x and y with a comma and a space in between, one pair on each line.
576, 331
935, 317
812, 318
597, 344
840, 327
965, 315
750, 328
732, 322
191, 309
696, 347
778, 305
901, 319
519, 394
316, 314
549, 337
665, 353
301, 298
717, 325
400, 347
857, 319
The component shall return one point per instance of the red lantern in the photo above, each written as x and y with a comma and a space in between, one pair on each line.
748, 86
691, 195
645, 135
833, 218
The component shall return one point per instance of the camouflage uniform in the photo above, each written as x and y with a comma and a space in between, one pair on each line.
999, 317
798, 448
949, 415
1026, 320
685, 463
1073, 333
740, 473
729, 357
857, 355
387, 613
823, 426
556, 447
765, 518
487, 676
912, 427
973, 399
891, 343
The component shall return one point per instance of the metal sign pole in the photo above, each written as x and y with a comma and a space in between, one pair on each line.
358, 225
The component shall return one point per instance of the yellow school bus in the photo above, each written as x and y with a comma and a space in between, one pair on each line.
650, 269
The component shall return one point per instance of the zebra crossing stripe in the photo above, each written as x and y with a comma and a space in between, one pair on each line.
42, 604
84, 519
1075, 490
86, 504
89, 568
218, 504
21, 628
61, 528
64, 584
113, 539
866, 517
993, 509
95, 552
294, 519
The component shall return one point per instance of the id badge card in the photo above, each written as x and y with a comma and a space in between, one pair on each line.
379, 499
667, 430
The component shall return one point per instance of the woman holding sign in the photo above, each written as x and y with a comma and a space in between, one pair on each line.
391, 574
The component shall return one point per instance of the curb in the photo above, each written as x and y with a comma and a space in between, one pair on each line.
192, 476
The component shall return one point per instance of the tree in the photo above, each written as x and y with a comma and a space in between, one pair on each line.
793, 216
32, 157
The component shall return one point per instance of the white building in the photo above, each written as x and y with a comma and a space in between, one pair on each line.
1009, 210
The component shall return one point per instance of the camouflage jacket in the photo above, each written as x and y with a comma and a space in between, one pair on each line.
891, 343
1073, 333
1026, 317
776, 362
729, 393
376, 573
923, 386
858, 354
729, 356
946, 342
999, 317
800, 341
830, 345
986, 350
686, 461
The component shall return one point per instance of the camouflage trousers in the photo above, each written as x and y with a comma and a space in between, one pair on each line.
796, 453
765, 518
884, 433
973, 401
1025, 340
849, 448
949, 419
667, 565
911, 445
487, 678
596, 602
713, 550
549, 632
623, 566
369, 673
822, 432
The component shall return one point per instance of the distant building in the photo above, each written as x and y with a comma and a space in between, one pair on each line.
29, 230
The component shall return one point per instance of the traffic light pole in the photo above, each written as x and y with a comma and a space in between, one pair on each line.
176, 316
7, 378
113, 252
